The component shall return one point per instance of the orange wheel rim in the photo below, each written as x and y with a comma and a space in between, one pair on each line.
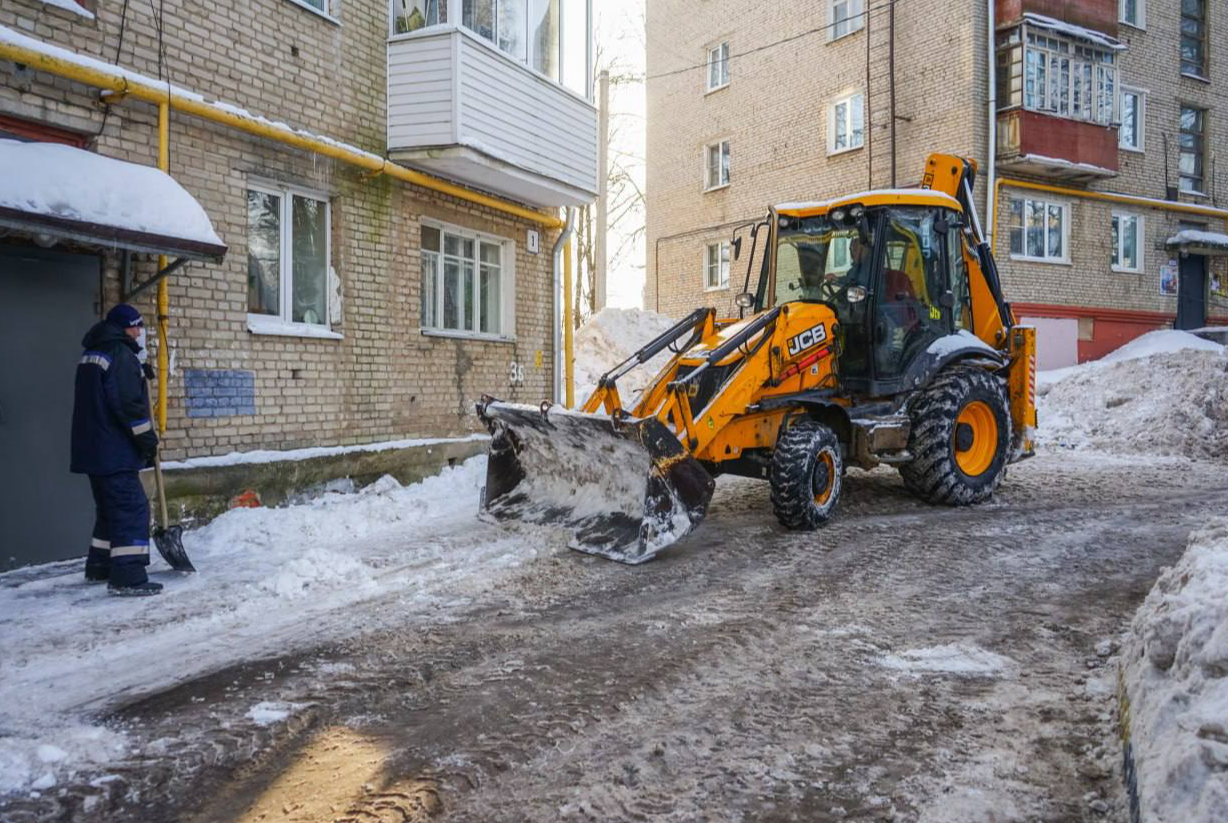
978, 457
821, 496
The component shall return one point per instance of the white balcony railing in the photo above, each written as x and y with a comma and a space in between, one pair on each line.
460, 108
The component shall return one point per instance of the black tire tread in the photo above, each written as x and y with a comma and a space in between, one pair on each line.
792, 467
933, 474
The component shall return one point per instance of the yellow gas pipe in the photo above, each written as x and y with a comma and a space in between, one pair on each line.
164, 300
1112, 197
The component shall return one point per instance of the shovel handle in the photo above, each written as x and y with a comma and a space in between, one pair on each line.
165, 519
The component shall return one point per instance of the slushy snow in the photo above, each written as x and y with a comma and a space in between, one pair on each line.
956, 659
1175, 670
74, 184
270, 581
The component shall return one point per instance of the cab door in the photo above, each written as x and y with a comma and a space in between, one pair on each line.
915, 299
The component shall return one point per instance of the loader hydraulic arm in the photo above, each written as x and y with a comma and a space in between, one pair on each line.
698, 323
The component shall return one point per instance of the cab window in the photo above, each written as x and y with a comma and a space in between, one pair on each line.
914, 279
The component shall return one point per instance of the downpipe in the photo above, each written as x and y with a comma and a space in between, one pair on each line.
991, 153
561, 297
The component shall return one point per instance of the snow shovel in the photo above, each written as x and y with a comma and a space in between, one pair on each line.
624, 486
168, 539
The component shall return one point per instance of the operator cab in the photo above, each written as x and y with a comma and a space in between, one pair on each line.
890, 265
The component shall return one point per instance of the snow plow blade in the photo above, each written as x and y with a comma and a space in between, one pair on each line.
626, 488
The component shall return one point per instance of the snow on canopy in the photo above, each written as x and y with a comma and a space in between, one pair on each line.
1194, 237
1071, 30
74, 184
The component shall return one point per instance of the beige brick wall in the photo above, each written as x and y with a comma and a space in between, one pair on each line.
385, 379
774, 114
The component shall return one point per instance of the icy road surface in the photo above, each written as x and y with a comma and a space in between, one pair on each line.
905, 663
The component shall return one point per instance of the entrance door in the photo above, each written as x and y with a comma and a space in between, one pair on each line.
47, 302
1192, 292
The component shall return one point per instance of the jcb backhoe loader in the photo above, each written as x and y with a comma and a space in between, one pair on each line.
876, 332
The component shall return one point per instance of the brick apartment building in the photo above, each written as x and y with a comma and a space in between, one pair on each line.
1107, 117
350, 307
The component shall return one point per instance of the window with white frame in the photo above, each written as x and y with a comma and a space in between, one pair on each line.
467, 281
1194, 38
1127, 242
716, 165
1133, 13
1058, 76
1038, 230
326, 7
411, 15
1130, 133
844, 17
287, 256
718, 67
716, 266
846, 124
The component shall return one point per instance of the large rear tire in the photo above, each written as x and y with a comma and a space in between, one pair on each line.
960, 438
806, 475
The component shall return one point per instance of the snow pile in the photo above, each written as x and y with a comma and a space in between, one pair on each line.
268, 712
1175, 672
949, 659
270, 581
74, 184
71, 5
1162, 394
611, 336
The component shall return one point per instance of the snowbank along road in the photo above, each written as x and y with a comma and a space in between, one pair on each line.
382, 655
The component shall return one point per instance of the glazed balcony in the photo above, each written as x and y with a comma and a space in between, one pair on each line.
462, 108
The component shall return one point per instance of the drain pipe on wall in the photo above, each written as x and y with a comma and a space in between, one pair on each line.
562, 309
991, 154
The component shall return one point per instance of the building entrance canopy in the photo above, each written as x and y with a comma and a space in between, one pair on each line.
1196, 241
54, 193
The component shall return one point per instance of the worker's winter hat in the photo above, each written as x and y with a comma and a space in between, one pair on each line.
124, 316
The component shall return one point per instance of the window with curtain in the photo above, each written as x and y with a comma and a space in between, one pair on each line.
1127, 242
718, 67
287, 255
465, 281
1038, 230
1130, 132
411, 15
716, 165
1191, 148
846, 124
716, 266
844, 17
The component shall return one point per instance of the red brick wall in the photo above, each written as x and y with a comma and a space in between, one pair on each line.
1067, 139
1100, 15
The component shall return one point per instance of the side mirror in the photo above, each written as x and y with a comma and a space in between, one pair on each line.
856, 294
745, 300
863, 230
942, 226
946, 300
737, 247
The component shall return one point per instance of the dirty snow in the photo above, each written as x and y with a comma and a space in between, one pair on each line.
955, 658
1175, 669
1165, 393
270, 580
611, 336
74, 184
268, 712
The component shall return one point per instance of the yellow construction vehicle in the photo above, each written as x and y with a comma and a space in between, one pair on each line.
875, 333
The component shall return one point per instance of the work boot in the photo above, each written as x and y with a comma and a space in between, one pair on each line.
145, 589
97, 575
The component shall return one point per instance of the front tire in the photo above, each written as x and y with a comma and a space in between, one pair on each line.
960, 438
806, 475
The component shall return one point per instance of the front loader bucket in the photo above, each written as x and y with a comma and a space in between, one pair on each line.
625, 488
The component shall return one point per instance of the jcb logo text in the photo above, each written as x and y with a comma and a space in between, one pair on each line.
810, 337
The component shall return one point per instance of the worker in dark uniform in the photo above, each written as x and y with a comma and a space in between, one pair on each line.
112, 440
